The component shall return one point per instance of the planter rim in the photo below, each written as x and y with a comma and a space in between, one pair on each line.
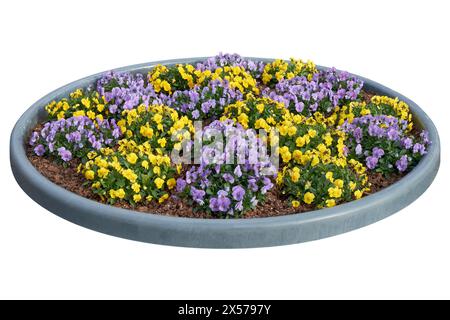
217, 233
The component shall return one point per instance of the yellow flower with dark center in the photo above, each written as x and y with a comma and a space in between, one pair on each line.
91, 155
295, 203
308, 197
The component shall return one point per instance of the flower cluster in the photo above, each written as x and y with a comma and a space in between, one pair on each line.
255, 68
126, 130
156, 125
278, 70
79, 103
74, 137
124, 91
227, 182
256, 113
383, 143
203, 102
132, 173
323, 93
323, 184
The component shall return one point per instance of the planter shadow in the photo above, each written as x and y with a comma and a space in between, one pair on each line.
212, 233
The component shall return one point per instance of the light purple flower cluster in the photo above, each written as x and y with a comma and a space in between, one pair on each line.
125, 91
203, 102
384, 143
326, 90
223, 185
255, 68
74, 137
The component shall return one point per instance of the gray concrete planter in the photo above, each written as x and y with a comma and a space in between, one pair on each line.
187, 232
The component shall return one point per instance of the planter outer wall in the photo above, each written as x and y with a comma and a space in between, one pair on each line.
217, 233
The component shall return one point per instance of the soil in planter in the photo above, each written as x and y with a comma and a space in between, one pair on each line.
275, 204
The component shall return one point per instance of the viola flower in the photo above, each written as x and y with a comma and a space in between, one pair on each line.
203, 102
323, 92
65, 154
74, 137
230, 187
372, 137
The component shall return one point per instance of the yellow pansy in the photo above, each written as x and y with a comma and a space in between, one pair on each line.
144, 164
312, 133
130, 175
295, 203
335, 192
89, 174
330, 202
260, 107
136, 187
308, 197
137, 197
171, 183
163, 198
300, 142
339, 183
157, 118
162, 142
132, 158
120, 193
159, 183
295, 174
103, 172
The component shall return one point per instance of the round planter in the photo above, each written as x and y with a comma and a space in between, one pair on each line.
212, 233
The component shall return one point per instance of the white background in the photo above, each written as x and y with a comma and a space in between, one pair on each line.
46, 44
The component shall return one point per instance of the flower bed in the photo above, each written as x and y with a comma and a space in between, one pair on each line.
332, 142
